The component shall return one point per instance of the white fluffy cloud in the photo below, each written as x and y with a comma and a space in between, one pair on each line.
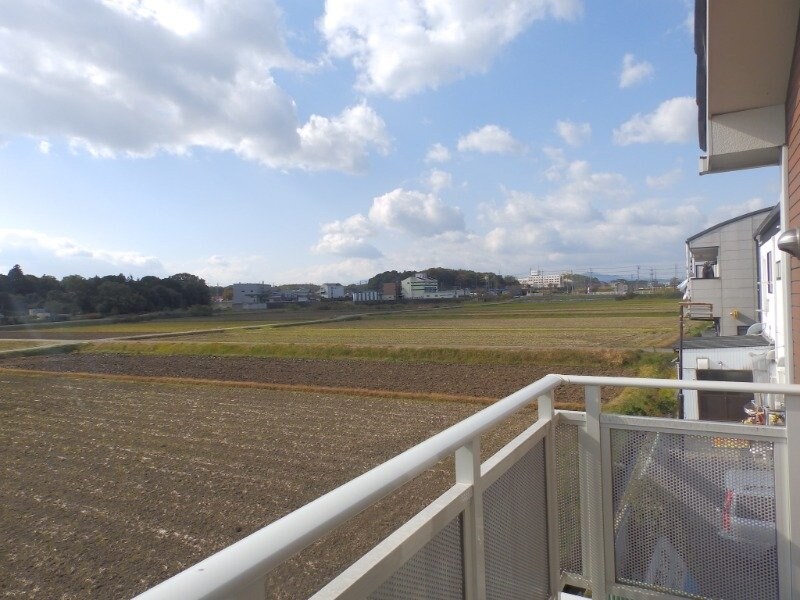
411, 213
39, 253
490, 139
674, 121
399, 47
415, 213
137, 78
572, 133
588, 218
634, 72
665, 180
437, 154
348, 238
439, 180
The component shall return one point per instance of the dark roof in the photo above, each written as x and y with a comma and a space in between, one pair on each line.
728, 222
770, 226
725, 341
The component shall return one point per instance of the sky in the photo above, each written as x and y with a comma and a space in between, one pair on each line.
326, 141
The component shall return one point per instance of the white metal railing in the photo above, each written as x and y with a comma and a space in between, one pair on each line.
485, 495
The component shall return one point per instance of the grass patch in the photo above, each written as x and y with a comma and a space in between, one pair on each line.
555, 356
648, 401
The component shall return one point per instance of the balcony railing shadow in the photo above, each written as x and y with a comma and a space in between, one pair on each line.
627, 507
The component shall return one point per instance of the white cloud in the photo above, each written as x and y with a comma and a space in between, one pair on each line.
572, 133
437, 154
411, 213
135, 78
490, 139
399, 48
634, 72
348, 238
44, 147
39, 252
343, 142
439, 180
668, 179
674, 121
415, 213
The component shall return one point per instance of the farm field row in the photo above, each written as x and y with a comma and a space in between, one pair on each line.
596, 332
110, 470
17, 344
505, 314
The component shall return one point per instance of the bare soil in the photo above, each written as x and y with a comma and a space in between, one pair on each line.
487, 381
109, 487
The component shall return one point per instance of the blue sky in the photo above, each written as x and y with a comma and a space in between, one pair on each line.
315, 141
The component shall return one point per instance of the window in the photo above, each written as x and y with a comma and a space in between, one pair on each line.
769, 272
704, 262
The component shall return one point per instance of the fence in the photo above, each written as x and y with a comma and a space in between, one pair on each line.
629, 507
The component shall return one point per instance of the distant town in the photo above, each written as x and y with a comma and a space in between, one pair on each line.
26, 298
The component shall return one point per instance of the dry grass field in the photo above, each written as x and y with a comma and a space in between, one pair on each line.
596, 324
109, 487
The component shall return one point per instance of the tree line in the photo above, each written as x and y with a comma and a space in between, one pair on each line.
109, 295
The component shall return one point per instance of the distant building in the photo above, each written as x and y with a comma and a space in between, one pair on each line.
368, 296
332, 291
251, 295
390, 291
620, 288
418, 286
38, 313
539, 279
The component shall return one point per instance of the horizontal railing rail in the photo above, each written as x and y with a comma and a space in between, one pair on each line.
239, 571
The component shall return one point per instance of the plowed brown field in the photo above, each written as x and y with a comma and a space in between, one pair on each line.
487, 381
110, 486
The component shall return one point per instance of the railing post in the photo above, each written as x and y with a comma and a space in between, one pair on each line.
792, 474
591, 451
468, 470
546, 412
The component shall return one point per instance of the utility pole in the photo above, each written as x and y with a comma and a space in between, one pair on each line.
637, 275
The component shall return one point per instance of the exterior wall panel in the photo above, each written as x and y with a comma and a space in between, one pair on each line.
793, 200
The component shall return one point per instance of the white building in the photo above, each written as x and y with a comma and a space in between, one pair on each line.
739, 262
251, 295
418, 286
368, 296
332, 291
540, 279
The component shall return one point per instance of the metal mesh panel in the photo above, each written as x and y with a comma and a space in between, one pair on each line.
515, 526
569, 490
434, 572
694, 515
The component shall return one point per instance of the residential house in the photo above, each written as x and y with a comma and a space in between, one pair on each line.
332, 291
721, 262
